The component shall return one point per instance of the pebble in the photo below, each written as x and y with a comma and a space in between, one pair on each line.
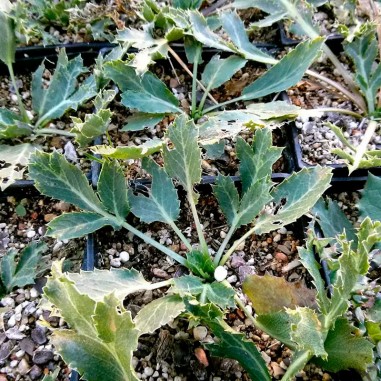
57, 246
35, 372
42, 356
115, 262
232, 279
5, 350
220, 273
124, 256
244, 271
38, 335
23, 367
19, 354
14, 334
277, 370
200, 332
12, 321
160, 273
27, 345
30, 233
237, 260
277, 238
33, 293
281, 257
148, 371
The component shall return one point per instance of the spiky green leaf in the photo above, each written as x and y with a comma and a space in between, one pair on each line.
333, 220
158, 313
112, 189
139, 121
77, 224
24, 271
63, 92
99, 283
129, 152
15, 159
235, 29
345, 350
183, 162
55, 177
286, 73
146, 93
8, 38
215, 292
93, 126
218, 71
294, 197
96, 330
256, 161
307, 331
370, 203
162, 203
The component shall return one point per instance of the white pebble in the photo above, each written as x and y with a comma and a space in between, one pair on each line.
12, 321
220, 273
13, 363
124, 256
30, 233
200, 332
148, 371
33, 293
19, 354
232, 279
115, 262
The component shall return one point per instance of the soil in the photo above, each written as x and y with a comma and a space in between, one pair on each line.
315, 137
25, 352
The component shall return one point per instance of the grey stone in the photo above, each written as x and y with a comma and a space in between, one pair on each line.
6, 349
27, 345
237, 260
39, 335
35, 372
244, 271
42, 356
14, 334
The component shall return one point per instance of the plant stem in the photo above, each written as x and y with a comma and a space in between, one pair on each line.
157, 285
19, 100
194, 80
355, 98
362, 148
54, 131
201, 238
227, 255
203, 99
178, 258
300, 359
180, 235
331, 109
223, 245
308, 29
185, 67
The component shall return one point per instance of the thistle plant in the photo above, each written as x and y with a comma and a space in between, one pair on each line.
203, 294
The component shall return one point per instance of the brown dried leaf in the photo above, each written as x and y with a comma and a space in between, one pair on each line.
272, 294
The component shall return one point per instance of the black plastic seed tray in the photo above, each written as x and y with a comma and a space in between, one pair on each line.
334, 41
339, 170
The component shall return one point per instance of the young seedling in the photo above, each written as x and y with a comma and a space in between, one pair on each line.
204, 294
362, 90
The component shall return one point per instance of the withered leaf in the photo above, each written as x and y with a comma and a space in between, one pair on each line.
272, 294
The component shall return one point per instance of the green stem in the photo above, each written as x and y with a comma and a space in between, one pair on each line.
203, 99
194, 79
299, 361
363, 147
185, 67
180, 235
54, 131
201, 238
178, 258
355, 98
164, 283
227, 255
220, 251
329, 109
222, 104
308, 29
19, 100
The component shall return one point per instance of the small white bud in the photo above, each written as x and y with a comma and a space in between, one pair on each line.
220, 273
